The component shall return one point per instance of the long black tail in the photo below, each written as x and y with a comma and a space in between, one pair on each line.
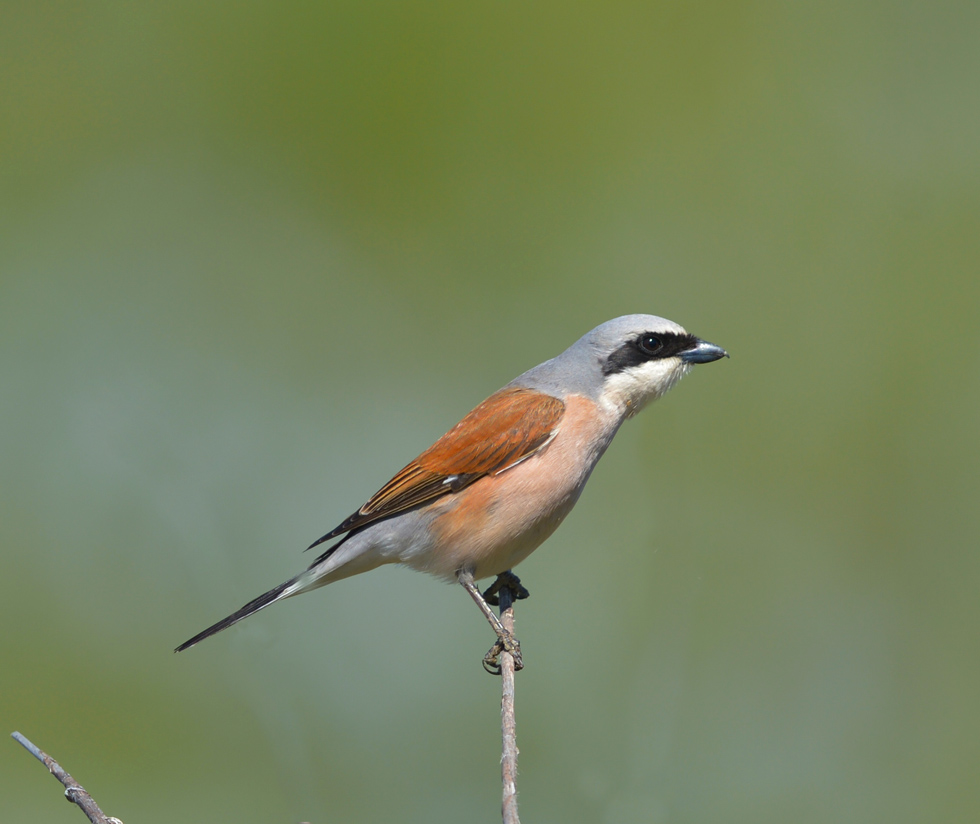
252, 606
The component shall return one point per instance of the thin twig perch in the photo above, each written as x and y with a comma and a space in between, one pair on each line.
508, 726
77, 794
74, 792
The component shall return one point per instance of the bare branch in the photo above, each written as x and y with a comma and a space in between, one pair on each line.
73, 790
76, 794
508, 724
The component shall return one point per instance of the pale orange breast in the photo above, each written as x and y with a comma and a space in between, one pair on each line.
498, 521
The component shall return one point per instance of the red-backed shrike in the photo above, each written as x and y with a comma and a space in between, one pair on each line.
486, 494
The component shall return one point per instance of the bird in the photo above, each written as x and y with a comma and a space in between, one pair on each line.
493, 488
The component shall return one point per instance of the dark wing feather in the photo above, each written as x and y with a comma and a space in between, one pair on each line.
506, 428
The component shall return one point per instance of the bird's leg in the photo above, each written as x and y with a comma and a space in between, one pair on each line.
505, 579
505, 639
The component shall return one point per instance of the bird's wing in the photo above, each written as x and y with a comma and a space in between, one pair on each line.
508, 427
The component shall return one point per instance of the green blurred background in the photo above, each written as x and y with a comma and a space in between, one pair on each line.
256, 256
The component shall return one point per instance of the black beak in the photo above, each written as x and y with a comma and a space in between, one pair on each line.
703, 352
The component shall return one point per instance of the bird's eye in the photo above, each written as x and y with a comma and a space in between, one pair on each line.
650, 344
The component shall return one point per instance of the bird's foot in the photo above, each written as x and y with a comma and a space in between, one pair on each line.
505, 643
505, 579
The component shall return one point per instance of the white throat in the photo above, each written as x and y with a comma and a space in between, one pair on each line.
630, 390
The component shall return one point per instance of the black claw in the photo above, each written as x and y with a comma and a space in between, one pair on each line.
510, 581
